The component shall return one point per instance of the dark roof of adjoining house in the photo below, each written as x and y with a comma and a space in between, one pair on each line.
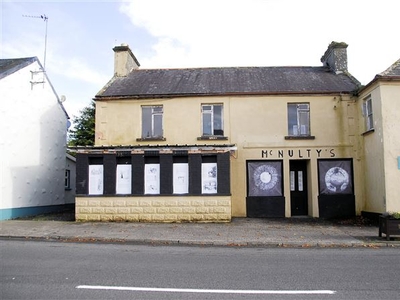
391, 73
393, 70
12, 65
146, 83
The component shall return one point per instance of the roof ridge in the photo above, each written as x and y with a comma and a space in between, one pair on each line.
233, 67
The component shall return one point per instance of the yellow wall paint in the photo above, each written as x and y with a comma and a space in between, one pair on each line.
255, 124
391, 142
381, 147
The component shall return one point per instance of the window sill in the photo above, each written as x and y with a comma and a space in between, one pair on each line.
368, 132
299, 137
151, 139
212, 138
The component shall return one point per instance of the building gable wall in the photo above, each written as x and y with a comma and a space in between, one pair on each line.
33, 142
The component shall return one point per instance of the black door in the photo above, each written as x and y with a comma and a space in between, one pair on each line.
298, 188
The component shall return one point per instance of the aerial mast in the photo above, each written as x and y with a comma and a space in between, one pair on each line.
45, 19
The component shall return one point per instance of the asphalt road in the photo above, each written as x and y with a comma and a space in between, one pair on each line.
51, 270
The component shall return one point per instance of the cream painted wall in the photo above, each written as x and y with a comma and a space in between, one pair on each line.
119, 122
390, 99
247, 120
254, 124
378, 172
373, 159
382, 147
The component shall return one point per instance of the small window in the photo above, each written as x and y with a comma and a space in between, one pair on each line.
67, 181
152, 122
299, 119
367, 112
212, 119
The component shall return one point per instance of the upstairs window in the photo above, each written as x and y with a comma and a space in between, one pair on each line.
299, 119
212, 119
152, 122
367, 112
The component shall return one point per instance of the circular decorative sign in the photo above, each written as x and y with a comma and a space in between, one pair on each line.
336, 179
265, 177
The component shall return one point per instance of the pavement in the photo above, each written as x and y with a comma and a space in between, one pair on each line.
241, 232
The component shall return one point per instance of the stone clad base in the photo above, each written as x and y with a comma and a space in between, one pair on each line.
154, 209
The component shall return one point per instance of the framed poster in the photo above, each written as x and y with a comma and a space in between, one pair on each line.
335, 176
124, 182
180, 178
96, 179
209, 178
264, 178
152, 179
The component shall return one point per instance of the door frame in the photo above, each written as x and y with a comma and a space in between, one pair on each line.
296, 165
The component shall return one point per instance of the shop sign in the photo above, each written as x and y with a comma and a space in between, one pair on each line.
298, 153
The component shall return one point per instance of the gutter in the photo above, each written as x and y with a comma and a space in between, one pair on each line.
170, 96
378, 78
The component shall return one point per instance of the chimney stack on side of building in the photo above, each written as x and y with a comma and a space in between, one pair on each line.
124, 61
335, 57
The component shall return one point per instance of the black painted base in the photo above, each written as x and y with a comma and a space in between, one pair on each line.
336, 206
265, 207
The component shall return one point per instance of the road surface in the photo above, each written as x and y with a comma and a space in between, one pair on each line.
55, 270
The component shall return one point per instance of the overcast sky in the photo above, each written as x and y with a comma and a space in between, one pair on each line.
195, 33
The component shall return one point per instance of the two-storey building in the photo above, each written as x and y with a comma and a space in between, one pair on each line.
209, 144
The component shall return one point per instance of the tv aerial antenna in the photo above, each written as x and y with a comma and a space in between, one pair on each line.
45, 19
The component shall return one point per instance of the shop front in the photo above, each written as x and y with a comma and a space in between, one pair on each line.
316, 182
154, 184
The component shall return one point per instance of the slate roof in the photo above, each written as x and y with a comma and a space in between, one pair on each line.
393, 70
391, 73
149, 83
12, 65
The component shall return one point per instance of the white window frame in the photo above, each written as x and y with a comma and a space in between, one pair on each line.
212, 113
67, 180
300, 129
368, 113
154, 112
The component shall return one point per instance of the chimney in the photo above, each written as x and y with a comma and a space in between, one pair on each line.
335, 57
124, 61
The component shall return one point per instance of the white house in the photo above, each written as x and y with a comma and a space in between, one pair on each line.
32, 140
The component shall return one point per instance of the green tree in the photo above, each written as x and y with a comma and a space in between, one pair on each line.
82, 133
